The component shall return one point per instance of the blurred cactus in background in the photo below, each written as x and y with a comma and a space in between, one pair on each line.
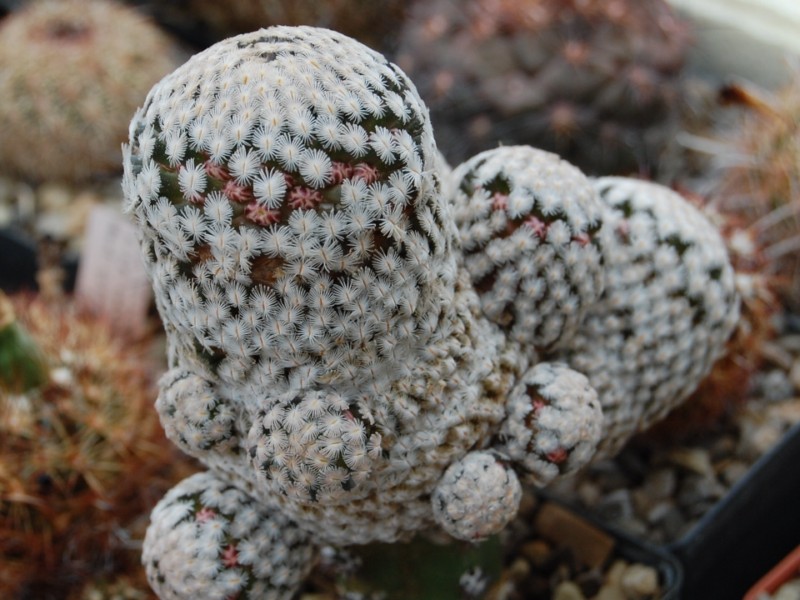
72, 72
757, 179
596, 82
375, 23
82, 455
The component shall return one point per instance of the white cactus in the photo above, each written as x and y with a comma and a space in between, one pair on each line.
337, 363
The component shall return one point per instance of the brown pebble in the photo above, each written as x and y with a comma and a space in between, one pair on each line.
538, 553
590, 545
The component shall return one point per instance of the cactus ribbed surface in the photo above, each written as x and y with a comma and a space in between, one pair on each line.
668, 308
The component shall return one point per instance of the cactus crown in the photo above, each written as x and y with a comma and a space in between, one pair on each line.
287, 194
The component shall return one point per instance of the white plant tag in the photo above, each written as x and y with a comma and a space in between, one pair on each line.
112, 283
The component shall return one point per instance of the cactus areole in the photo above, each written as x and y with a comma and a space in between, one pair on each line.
364, 345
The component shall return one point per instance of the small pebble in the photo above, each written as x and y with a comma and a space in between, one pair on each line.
734, 471
694, 459
762, 438
538, 553
776, 385
610, 592
660, 484
639, 581
568, 590
615, 573
519, 570
615, 506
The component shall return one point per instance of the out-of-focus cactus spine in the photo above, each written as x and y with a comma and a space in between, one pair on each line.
72, 72
82, 455
757, 179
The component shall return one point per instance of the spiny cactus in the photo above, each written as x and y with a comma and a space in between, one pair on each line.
72, 72
757, 179
82, 457
728, 383
554, 422
309, 181
668, 308
528, 223
596, 82
212, 540
336, 361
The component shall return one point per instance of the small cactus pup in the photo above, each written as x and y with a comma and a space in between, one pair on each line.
73, 73
528, 223
669, 306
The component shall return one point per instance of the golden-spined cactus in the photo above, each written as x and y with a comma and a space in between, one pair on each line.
72, 72
82, 455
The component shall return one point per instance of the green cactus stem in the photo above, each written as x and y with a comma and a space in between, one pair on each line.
22, 364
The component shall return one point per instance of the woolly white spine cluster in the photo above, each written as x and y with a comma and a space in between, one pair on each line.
668, 307
208, 539
554, 422
528, 223
285, 186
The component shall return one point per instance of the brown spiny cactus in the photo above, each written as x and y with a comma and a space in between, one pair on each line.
82, 454
595, 82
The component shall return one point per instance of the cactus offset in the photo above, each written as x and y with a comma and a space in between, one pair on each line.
528, 223
336, 361
669, 306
